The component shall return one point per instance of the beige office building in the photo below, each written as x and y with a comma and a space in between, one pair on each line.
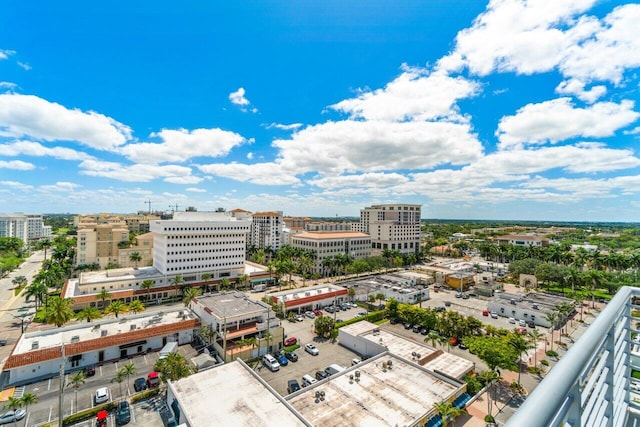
392, 226
329, 244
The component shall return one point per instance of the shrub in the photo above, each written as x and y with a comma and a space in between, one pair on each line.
533, 370
291, 348
374, 316
544, 362
635, 374
489, 419
88, 414
552, 353
145, 395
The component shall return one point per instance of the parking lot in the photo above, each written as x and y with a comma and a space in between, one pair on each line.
47, 391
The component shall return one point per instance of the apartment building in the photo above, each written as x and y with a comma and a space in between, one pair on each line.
98, 243
329, 244
195, 243
329, 226
143, 246
27, 227
394, 227
266, 230
136, 223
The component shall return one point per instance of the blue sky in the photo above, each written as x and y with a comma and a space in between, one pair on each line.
503, 110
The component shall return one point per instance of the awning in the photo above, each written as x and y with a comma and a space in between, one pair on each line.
133, 344
262, 279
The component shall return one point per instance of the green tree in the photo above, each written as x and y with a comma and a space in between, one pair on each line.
19, 281
323, 325
136, 306
129, 370
89, 313
489, 378
207, 333
447, 412
45, 244
176, 282
552, 318
189, 294
59, 311
116, 307
535, 336
14, 403
351, 292
104, 295
173, 367
119, 378
520, 346
135, 258
38, 291
29, 399
76, 382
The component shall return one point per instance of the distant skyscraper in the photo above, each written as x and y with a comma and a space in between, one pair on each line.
392, 226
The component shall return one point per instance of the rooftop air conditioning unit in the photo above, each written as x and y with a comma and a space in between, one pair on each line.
75, 338
35, 345
132, 327
103, 333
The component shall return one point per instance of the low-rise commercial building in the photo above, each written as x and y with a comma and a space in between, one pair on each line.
522, 240
403, 289
311, 298
236, 319
39, 354
531, 306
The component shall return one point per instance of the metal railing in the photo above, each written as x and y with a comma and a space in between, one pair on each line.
589, 386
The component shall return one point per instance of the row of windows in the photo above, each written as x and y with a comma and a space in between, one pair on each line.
206, 266
173, 261
202, 237
205, 251
188, 245
204, 228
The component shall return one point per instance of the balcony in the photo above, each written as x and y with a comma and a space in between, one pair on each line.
590, 385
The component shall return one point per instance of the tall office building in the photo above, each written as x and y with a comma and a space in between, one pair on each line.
193, 243
392, 226
266, 230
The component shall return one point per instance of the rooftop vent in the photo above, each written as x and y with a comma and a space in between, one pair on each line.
75, 338
132, 327
35, 345
103, 333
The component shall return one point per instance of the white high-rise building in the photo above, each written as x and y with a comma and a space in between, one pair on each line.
392, 226
25, 227
194, 243
266, 230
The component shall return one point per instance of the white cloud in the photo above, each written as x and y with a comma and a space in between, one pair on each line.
259, 173
60, 186
577, 88
353, 146
17, 165
28, 115
189, 179
182, 144
558, 120
365, 180
249, 155
24, 65
415, 95
7, 85
634, 131
16, 185
6, 53
238, 98
133, 173
292, 126
29, 148
195, 190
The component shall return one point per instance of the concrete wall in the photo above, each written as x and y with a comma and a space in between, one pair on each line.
360, 345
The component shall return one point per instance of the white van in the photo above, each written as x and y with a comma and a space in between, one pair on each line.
308, 380
334, 369
170, 347
270, 362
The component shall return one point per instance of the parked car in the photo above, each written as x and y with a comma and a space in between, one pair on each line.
291, 356
153, 379
424, 331
101, 395
329, 309
416, 329
522, 323
140, 384
462, 346
472, 294
465, 296
299, 318
293, 386
531, 324
310, 314
485, 313
318, 313
311, 349
123, 413
447, 303
494, 315
393, 320
282, 359
355, 361
320, 375
439, 309
12, 416
362, 313
290, 341
89, 371
512, 320
270, 362
458, 295
408, 325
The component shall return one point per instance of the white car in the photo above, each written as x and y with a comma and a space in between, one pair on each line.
299, 318
12, 417
311, 349
102, 395
310, 314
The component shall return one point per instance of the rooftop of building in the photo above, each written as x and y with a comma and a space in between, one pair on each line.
521, 237
100, 330
311, 291
118, 274
231, 305
433, 359
231, 394
542, 302
319, 235
379, 394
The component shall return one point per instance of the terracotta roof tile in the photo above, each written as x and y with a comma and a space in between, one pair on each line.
41, 355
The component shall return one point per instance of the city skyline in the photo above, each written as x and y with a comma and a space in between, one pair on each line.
506, 110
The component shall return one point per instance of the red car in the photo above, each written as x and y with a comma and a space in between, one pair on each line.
318, 313
290, 341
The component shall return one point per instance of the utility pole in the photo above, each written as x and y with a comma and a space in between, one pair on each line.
61, 395
174, 206
148, 202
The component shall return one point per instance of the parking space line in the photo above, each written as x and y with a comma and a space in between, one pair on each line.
49, 384
50, 413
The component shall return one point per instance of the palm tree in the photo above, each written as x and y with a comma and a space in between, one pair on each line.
59, 311
37, 290
534, 337
520, 345
206, 332
146, 285
116, 307
120, 375
135, 258
489, 378
129, 370
19, 281
189, 294
14, 403
29, 399
104, 295
173, 367
224, 284
76, 381
89, 313
552, 318
45, 244
433, 338
243, 279
176, 282
136, 306
447, 411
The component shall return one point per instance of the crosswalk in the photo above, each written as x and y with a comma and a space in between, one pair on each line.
18, 392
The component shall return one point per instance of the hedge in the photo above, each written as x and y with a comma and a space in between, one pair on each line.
291, 348
145, 395
373, 317
88, 414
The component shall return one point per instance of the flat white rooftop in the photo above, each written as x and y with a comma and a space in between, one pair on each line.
313, 291
399, 396
230, 395
231, 305
84, 331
